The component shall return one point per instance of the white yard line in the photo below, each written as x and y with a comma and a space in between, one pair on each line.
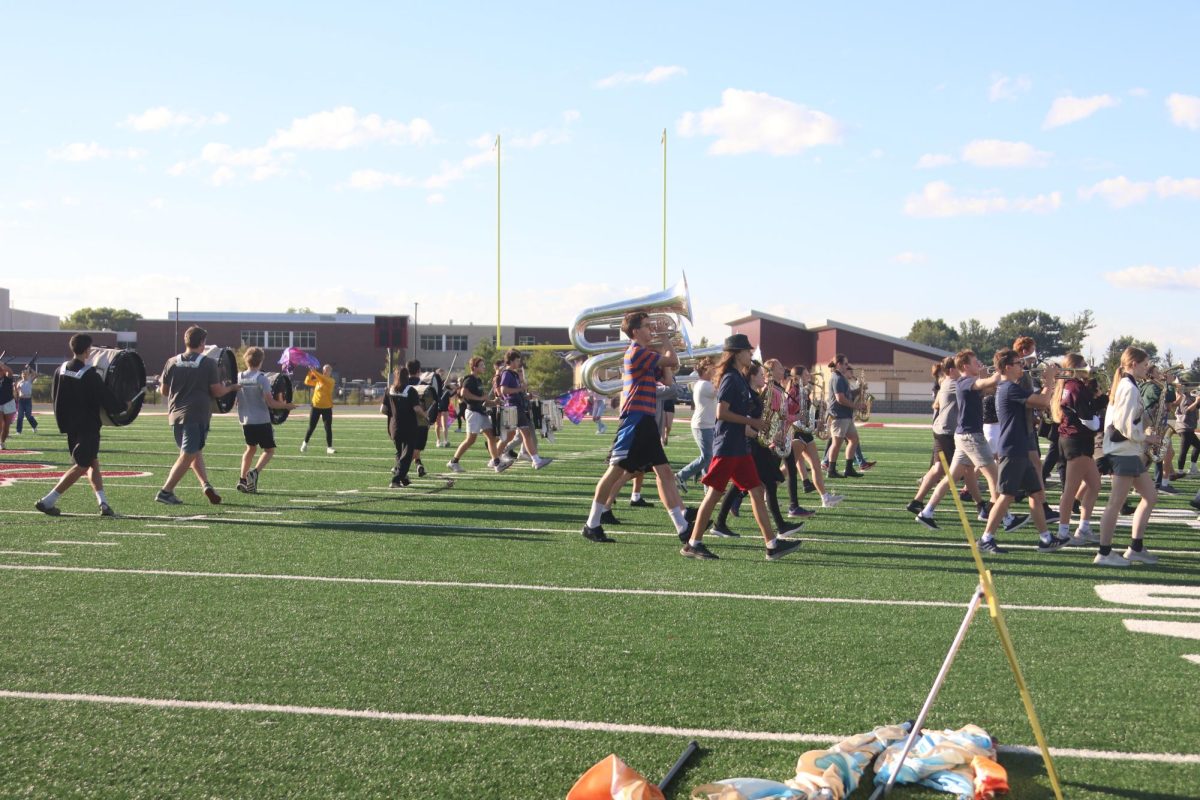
27, 553
547, 724
92, 544
172, 525
530, 587
128, 533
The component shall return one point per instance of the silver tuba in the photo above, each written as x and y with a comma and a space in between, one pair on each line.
668, 310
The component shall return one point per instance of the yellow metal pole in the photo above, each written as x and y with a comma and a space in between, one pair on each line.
497, 241
664, 144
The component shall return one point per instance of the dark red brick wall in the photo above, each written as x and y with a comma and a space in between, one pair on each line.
19, 346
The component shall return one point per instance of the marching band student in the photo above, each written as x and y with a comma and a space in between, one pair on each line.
860, 459
404, 411
79, 395
637, 445
441, 425
25, 400
8, 403
1125, 440
471, 393
254, 402
803, 448
419, 440
945, 420
1026, 348
668, 415
704, 423
1185, 415
1018, 473
841, 424
664, 379
1074, 411
513, 390
322, 406
732, 459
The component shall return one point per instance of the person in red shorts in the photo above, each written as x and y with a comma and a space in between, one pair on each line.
731, 454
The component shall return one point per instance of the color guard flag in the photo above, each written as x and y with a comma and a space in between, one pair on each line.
613, 779
576, 404
293, 357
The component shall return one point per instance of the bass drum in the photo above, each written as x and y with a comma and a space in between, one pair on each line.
427, 396
281, 384
124, 374
227, 372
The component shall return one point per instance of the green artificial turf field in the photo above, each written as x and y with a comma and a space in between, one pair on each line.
488, 633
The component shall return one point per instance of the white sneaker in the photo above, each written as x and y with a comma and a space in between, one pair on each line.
2, 447
829, 500
1089, 536
330, 451
454, 466
1193, 471
1110, 560
304, 447
1142, 556
539, 462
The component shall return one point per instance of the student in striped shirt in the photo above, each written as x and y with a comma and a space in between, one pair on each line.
638, 444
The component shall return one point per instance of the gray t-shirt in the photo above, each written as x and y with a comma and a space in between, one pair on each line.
185, 382
946, 419
253, 391
839, 385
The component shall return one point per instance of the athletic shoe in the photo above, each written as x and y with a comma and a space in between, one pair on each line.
866, 465
52, 511
18, 433
914, 507
985, 511
454, 466
1084, 539
609, 518
640, 503
1014, 521
928, 522
539, 462
964, 495
681, 484
724, 532
990, 546
329, 451
1142, 556
1075, 507
421, 473
830, 500
106, 510
1111, 560
601, 427
500, 466
851, 472
736, 508
597, 535
1055, 544
243, 486
252, 479
1127, 509
2, 447
399, 484
1178, 476
1050, 512
1192, 472
825, 465
809, 486
790, 529
698, 551
212, 495
800, 511
1168, 489
167, 498
782, 549
833, 473
304, 447
513, 455
1194, 503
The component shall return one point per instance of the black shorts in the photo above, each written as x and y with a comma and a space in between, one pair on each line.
84, 446
421, 438
638, 449
523, 418
1081, 444
669, 406
942, 443
807, 438
260, 435
767, 464
1018, 476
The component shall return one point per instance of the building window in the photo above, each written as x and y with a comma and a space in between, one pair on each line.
526, 341
305, 339
431, 341
456, 342
254, 338
278, 339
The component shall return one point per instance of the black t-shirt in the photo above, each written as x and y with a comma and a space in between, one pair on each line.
6, 389
475, 386
399, 408
79, 393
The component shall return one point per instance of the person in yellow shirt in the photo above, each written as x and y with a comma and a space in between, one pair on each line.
322, 406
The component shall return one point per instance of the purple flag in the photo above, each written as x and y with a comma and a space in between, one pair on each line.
575, 404
293, 357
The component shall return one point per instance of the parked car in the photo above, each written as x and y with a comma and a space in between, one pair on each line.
683, 394
375, 391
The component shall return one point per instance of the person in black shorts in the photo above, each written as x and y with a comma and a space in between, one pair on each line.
79, 396
1076, 416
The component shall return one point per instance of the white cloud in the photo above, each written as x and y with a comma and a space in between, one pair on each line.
1006, 88
934, 160
748, 122
1066, 110
92, 151
435, 199
161, 118
655, 75
343, 128
1184, 110
909, 257
1177, 187
999, 153
1150, 277
222, 175
1120, 192
938, 199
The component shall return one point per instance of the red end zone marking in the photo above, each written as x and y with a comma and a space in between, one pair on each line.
11, 452
11, 473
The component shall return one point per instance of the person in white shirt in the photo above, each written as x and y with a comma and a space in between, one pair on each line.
1125, 441
704, 423
25, 400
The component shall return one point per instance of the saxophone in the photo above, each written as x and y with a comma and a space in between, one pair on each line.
862, 408
1156, 451
774, 435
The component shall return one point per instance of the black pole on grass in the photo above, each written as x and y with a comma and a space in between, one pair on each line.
687, 753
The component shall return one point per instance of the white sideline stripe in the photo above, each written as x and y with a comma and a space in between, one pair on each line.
322, 502
546, 724
172, 525
70, 541
1195, 659
27, 553
531, 587
129, 533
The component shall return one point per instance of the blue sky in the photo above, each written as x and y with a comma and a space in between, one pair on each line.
873, 165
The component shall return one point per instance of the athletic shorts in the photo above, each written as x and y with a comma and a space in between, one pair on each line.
9, 409
668, 406
84, 446
807, 438
942, 443
972, 448
191, 436
523, 418
767, 464
1018, 476
739, 469
1034, 444
842, 428
478, 421
1079, 445
1127, 466
638, 447
262, 435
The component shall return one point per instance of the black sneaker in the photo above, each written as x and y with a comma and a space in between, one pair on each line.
52, 511
851, 472
833, 473
1127, 509
609, 518
252, 480
782, 549
964, 495
243, 486
990, 546
640, 503
1055, 543
420, 470
1075, 507
914, 507
736, 507
928, 522
1014, 522
790, 529
1194, 503
809, 486
596, 534
212, 495
985, 511
1050, 512
724, 532
106, 510
167, 498
698, 551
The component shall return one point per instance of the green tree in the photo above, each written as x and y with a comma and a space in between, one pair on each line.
1112, 356
974, 335
343, 310
1193, 373
301, 310
1075, 332
1045, 329
933, 333
547, 373
101, 319
487, 351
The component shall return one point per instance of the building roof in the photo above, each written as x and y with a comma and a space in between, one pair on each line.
907, 343
237, 316
753, 315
